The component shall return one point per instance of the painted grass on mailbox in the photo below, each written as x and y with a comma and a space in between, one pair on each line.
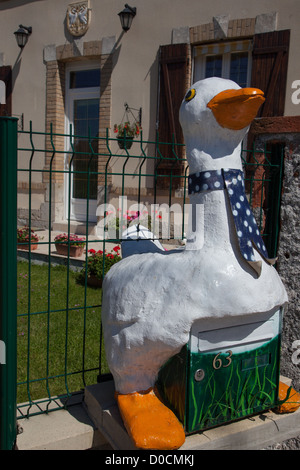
229, 394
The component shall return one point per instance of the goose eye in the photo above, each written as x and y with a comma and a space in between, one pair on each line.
190, 94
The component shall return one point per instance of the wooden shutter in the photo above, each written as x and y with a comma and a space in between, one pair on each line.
6, 77
173, 84
269, 70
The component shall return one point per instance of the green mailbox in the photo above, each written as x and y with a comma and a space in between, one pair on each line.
225, 373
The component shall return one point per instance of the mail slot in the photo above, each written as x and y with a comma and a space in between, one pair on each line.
225, 373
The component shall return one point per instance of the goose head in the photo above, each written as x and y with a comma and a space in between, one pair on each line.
215, 115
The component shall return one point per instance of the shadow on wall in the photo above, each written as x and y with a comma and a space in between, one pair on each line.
8, 4
16, 69
153, 112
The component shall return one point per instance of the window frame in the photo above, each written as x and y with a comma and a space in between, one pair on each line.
226, 49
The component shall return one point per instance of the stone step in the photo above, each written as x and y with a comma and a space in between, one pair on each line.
79, 228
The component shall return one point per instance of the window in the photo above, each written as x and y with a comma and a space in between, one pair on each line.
228, 60
239, 68
5, 90
213, 66
2, 92
85, 121
85, 78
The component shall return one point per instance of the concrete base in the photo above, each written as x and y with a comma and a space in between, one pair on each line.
64, 429
252, 433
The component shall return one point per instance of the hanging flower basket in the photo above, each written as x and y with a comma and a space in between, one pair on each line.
125, 144
126, 133
77, 245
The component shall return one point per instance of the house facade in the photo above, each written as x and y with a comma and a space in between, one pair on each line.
79, 70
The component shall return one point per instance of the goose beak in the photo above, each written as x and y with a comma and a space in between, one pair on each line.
235, 109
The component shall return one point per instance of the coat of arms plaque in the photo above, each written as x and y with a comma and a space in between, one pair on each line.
78, 18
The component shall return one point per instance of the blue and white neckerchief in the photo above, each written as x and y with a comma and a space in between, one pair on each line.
232, 181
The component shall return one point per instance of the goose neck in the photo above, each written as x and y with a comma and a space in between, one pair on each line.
210, 221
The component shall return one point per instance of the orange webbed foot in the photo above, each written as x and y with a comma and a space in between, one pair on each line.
149, 423
292, 403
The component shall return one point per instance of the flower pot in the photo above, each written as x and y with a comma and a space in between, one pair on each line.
75, 251
26, 247
125, 144
94, 281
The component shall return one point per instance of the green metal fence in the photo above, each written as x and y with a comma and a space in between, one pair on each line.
263, 169
8, 319
59, 336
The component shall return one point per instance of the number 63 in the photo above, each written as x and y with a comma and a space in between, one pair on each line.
218, 363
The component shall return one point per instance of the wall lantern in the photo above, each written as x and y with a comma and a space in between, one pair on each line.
22, 35
126, 17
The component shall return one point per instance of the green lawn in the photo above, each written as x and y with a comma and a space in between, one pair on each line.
59, 341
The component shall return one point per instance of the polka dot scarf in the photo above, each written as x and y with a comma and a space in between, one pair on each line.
233, 181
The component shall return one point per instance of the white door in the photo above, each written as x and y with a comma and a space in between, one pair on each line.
82, 124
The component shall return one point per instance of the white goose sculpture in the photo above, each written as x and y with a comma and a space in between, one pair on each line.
151, 300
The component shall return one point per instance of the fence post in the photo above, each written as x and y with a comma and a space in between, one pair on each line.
8, 282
